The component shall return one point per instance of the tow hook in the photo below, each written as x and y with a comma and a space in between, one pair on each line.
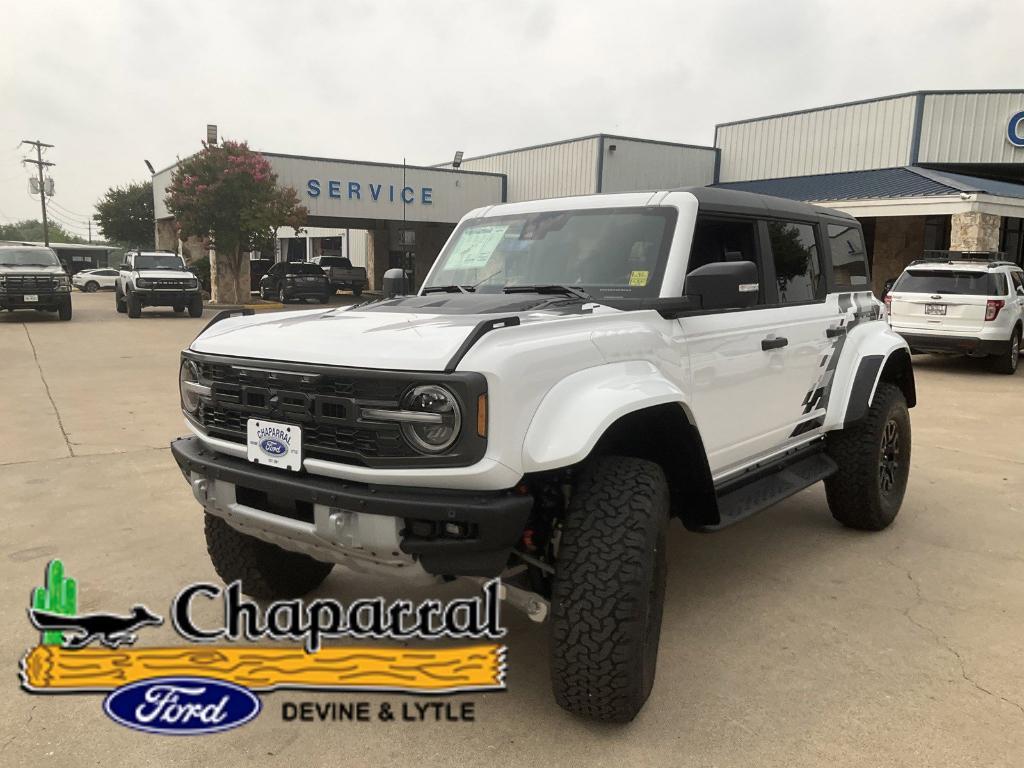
533, 605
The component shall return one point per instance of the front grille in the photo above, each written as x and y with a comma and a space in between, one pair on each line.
326, 406
169, 284
29, 284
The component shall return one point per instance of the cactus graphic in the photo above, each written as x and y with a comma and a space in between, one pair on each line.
60, 595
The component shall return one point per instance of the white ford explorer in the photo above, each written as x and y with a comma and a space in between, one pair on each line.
963, 304
573, 374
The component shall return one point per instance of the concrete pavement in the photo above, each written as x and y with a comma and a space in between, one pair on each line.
787, 640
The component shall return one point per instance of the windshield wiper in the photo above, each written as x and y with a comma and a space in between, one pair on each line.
565, 290
449, 289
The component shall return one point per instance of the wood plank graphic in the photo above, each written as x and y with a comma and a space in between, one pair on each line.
50, 668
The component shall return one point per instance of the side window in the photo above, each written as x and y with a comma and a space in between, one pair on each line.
797, 264
722, 239
849, 258
999, 287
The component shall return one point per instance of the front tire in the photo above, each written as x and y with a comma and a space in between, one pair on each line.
874, 463
357, 292
266, 571
119, 303
195, 307
134, 306
280, 297
92, 286
64, 310
609, 589
1006, 362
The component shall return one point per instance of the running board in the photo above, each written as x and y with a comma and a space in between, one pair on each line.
738, 501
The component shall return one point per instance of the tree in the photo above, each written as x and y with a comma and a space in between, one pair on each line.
125, 215
31, 231
229, 196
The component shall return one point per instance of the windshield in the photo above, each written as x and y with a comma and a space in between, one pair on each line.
963, 283
158, 261
608, 253
28, 257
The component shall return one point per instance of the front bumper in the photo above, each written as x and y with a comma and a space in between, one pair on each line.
456, 533
159, 297
960, 345
46, 301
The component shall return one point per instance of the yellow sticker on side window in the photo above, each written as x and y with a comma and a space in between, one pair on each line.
638, 278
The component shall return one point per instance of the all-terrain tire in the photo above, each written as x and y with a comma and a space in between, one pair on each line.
134, 306
609, 589
874, 463
119, 303
195, 307
266, 571
1006, 361
64, 310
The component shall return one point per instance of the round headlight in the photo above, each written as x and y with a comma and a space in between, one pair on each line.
441, 421
142, 283
188, 375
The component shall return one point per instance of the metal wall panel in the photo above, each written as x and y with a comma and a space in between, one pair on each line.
872, 134
642, 165
551, 170
969, 128
451, 193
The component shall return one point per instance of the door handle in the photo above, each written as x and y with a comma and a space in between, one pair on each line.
776, 343
836, 332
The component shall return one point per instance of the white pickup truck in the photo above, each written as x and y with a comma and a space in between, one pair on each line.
573, 374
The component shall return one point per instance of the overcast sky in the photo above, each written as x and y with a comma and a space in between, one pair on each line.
112, 83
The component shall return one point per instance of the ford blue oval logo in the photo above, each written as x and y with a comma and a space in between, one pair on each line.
273, 447
182, 705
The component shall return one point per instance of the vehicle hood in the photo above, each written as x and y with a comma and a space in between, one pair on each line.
164, 274
19, 270
418, 333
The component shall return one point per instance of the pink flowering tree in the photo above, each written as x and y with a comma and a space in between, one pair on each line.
229, 197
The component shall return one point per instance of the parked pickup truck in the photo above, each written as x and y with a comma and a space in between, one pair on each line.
341, 273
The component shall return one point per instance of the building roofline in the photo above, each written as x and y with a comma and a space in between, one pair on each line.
358, 162
588, 137
858, 102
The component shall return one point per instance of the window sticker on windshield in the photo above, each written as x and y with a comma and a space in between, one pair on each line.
475, 247
638, 278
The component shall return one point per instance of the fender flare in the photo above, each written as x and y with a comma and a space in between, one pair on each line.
579, 409
894, 365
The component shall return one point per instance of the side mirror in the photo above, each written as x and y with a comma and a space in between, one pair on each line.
724, 285
394, 283
126, 267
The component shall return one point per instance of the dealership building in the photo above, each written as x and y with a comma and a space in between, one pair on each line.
930, 170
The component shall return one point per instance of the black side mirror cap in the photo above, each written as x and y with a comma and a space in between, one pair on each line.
724, 285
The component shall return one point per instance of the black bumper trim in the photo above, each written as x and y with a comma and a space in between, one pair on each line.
497, 518
963, 345
153, 297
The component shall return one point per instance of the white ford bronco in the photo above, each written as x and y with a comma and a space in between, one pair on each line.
573, 374
156, 279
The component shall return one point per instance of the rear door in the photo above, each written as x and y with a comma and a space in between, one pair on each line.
941, 299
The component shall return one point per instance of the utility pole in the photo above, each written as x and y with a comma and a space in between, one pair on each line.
89, 222
40, 164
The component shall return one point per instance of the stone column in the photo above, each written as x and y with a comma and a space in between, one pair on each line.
378, 244
166, 236
898, 241
974, 231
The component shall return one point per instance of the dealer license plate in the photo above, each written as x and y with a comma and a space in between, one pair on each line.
30, 297
274, 444
935, 309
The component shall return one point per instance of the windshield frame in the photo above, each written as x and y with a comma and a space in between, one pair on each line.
179, 263
31, 255
599, 293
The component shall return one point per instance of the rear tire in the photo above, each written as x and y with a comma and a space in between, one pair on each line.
179, 308
266, 571
195, 307
1006, 361
280, 296
134, 306
64, 310
874, 463
609, 589
357, 292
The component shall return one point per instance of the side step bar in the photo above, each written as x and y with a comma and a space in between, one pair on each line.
746, 496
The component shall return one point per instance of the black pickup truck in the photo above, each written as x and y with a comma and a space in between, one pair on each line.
341, 273
31, 277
